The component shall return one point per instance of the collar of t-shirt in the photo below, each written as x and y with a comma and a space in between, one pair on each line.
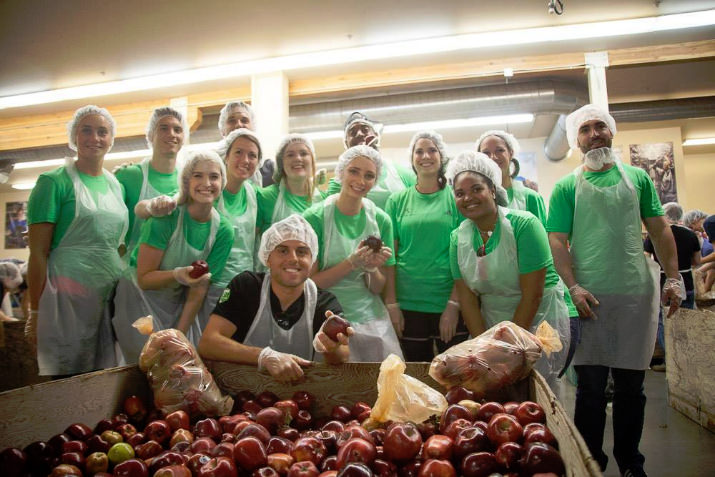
286, 319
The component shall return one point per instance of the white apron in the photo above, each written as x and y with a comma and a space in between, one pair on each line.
494, 278
241, 257
264, 330
609, 262
74, 334
374, 337
165, 305
518, 195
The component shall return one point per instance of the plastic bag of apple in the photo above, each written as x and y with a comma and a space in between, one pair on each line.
499, 357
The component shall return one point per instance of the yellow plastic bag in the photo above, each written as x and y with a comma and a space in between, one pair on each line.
402, 398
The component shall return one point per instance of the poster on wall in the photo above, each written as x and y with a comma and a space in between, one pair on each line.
657, 160
15, 225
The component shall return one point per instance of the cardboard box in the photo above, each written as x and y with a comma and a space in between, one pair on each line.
40, 411
689, 341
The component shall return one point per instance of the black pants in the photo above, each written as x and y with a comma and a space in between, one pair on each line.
628, 413
421, 335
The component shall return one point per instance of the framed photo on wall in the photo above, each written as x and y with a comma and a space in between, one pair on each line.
658, 161
15, 225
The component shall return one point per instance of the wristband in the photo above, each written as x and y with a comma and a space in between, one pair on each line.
393, 305
454, 303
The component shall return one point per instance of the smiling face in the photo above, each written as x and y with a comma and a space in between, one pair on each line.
426, 158
94, 137
239, 118
498, 151
297, 161
168, 136
290, 263
360, 133
594, 134
242, 159
205, 182
359, 177
474, 195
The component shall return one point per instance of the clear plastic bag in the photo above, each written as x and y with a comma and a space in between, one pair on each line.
177, 376
403, 398
499, 357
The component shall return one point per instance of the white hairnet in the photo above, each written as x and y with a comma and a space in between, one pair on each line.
436, 139
86, 111
673, 212
226, 143
693, 216
472, 161
585, 113
353, 153
193, 159
293, 227
278, 173
10, 275
360, 118
509, 139
226, 112
156, 116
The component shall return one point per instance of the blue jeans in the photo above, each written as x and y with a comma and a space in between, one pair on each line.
688, 303
628, 413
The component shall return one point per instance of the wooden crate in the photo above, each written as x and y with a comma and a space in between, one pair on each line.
40, 411
689, 341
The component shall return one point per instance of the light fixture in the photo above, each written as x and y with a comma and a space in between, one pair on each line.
705, 141
471, 41
23, 185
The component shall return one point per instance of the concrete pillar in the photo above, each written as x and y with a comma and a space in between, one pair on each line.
596, 64
269, 99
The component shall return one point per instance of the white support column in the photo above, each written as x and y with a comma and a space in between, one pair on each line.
596, 64
182, 105
269, 99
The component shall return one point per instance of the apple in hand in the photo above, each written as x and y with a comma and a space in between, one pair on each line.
335, 324
200, 268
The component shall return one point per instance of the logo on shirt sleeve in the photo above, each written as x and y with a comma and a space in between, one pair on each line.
225, 295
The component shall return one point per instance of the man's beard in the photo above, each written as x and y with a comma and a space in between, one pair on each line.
595, 159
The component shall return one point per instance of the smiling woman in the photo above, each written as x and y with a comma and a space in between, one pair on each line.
158, 280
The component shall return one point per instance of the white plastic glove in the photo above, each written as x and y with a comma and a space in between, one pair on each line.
583, 300
673, 293
396, 317
181, 275
282, 366
161, 206
322, 342
359, 258
376, 260
448, 322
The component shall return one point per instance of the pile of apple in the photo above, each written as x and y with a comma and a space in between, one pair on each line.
270, 437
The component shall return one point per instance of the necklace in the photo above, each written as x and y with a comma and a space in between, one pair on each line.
482, 251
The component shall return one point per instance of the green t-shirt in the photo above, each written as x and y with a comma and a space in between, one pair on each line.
351, 226
132, 179
157, 231
407, 176
52, 199
534, 203
267, 198
422, 224
562, 202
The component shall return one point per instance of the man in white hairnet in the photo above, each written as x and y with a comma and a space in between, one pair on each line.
594, 228
275, 320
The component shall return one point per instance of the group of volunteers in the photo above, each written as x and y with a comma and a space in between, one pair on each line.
462, 246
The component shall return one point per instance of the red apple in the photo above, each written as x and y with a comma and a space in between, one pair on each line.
303, 420
289, 433
200, 268
469, 440
402, 442
175, 470
249, 453
136, 439
79, 431
355, 469
76, 446
13, 462
540, 435
479, 464
255, 430
352, 431
208, 427
458, 393
165, 459
202, 445
126, 430
252, 407
267, 398
223, 449
97, 444
266, 471
329, 473
334, 325
148, 450
57, 442
119, 419
383, 468
504, 428
488, 409
329, 439
528, 412
541, 458
411, 469
280, 461
452, 413
455, 427
438, 447
40, 457
197, 461
473, 406
135, 408
308, 448
103, 425
356, 450
340, 413
359, 408
271, 418
303, 469
437, 468
178, 420
304, 400
112, 437
277, 444
218, 467
181, 435
510, 407
333, 425
427, 428
66, 470
508, 455
378, 435
73, 458
289, 407
131, 468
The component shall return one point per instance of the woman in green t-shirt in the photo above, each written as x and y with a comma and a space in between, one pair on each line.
77, 221
420, 294
158, 281
349, 267
501, 260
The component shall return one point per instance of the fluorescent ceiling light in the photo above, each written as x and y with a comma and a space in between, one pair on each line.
23, 185
699, 142
471, 41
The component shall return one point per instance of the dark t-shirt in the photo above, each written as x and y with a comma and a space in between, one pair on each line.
687, 244
241, 299
709, 227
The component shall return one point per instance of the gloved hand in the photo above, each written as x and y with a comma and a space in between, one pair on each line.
322, 342
376, 260
359, 258
672, 294
397, 318
181, 275
583, 300
161, 206
282, 366
448, 322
